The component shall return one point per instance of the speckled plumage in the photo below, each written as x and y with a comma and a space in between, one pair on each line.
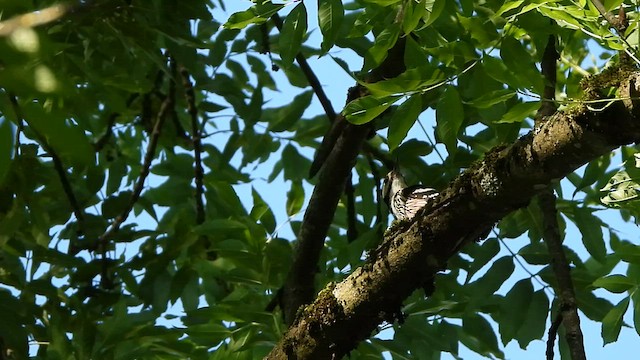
405, 201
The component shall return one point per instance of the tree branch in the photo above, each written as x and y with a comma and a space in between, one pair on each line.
553, 333
311, 76
547, 200
57, 163
299, 286
197, 144
506, 179
165, 108
568, 308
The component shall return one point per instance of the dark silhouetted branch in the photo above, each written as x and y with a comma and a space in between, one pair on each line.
57, 164
197, 144
299, 286
165, 108
553, 333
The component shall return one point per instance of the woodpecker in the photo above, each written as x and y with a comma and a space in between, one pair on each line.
405, 201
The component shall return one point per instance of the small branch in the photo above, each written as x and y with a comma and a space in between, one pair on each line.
553, 333
607, 15
57, 164
102, 141
620, 25
311, 76
165, 108
352, 231
197, 144
562, 271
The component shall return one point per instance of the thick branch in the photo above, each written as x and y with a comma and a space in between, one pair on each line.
299, 287
506, 179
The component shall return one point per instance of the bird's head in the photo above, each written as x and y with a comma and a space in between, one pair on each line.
393, 182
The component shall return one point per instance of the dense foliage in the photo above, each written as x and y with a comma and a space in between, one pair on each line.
128, 129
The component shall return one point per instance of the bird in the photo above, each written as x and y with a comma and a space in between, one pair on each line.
404, 201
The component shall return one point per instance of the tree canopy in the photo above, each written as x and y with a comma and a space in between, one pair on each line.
135, 221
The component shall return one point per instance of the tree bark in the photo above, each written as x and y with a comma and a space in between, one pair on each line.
506, 179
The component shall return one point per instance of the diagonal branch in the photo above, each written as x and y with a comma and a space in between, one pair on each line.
311, 76
299, 286
504, 180
57, 163
165, 108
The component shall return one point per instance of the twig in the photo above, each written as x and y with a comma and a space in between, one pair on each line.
197, 144
352, 231
311, 76
519, 262
607, 15
553, 333
165, 108
102, 141
562, 271
57, 164
620, 25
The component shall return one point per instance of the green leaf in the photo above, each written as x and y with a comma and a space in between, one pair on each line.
414, 11
296, 166
507, 6
255, 15
612, 322
330, 16
449, 118
534, 324
592, 173
593, 307
514, 309
6, 147
367, 108
493, 97
219, 226
436, 10
295, 198
418, 78
478, 335
384, 41
615, 283
591, 230
493, 279
67, 139
519, 112
636, 311
283, 118
403, 119
261, 212
293, 32
535, 253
